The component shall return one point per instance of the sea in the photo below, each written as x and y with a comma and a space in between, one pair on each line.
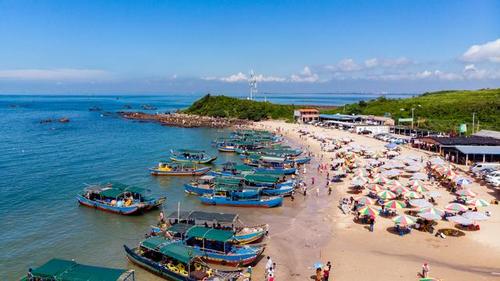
43, 165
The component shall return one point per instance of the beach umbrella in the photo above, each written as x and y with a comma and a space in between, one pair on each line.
368, 211
478, 202
391, 173
392, 153
386, 195
394, 183
358, 181
419, 176
420, 203
450, 174
414, 168
413, 183
429, 216
391, 146
475, 216
394, 204
463, 181
456, 207
460, 220
375, 187
380, 179
339, 172
432, 210
419, 188
412, 194
317, 265
404, 220
365, 200
361, 173
434, 193
399, 189
338, 161
373, 162
377, 155
466, 192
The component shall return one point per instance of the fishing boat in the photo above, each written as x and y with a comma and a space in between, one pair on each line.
167, 168
191, 156
232, 169
301, 160
173, 260
243, 234
118, 198
211, 184
225, 199
59, 269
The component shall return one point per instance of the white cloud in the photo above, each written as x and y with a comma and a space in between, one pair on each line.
471, 72
241, 77
345, 65
489, 51
380, 62
58, 75
307, 75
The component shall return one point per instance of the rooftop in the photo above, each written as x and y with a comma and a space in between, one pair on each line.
479, 149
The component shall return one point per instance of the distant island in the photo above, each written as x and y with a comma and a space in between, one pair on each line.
440, 111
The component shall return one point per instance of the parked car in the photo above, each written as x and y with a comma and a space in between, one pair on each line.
479, 166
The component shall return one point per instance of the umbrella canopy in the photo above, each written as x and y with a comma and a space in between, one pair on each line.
394, 204
420, 203
361, 173
338, 161
391, 146
475, 216
404, 220
419, 176
394, 183
317, 265
365, 200
368, 211
463, 181
373, 162
432, 210
419, 188
456, 207
412, 194
414, 168
460, 220
415, 183
429, 216
392, 153
386, 195
478, 202
358, 181
375, 187
434, 193
466, 192
399, 189
339, 172
377, 155
391, 173
380, 179
437, 160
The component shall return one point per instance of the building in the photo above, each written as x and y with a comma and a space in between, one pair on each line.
306, 115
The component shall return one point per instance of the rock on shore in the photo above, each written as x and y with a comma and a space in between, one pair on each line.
184, 120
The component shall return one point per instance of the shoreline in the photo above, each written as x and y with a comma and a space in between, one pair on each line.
183, 120
356, 252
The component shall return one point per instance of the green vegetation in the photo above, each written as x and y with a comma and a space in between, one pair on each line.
223, 106
440, 111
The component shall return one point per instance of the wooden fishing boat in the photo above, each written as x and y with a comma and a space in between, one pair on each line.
59, 269
232, 169
172, 260
118, 198
178, 169
191, 156
225, 199
211, 184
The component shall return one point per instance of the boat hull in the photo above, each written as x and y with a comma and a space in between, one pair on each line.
276, 171
231, 259
131, 210
245, 193
200, 161
197, 172
224, 201
282, 190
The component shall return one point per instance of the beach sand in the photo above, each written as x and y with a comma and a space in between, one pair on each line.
312, 229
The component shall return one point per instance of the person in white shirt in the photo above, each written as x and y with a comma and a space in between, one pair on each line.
269, 265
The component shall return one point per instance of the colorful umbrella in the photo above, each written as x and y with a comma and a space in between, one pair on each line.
456, 207
477, 202
404, 220
460, 220
395, 183
429, 216
415, 183
361, 173
463, 181
414, 167
420, 188
358, 181
395, 204
392, 153
386, 195
466, 192
434, 193
365, 200
419, 176
368, 211
420, 203
380, 179
432, 210
399, 189
475, 216
375, 187
412, 194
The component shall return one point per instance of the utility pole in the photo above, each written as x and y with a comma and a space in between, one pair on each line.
473, 119
412, 116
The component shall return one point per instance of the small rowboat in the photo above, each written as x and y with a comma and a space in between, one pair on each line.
118, 198
191, 156
178, 169
259, 202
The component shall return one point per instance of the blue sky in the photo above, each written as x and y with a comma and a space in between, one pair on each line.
293, 46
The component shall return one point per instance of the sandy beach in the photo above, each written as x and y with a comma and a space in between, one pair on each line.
313, 228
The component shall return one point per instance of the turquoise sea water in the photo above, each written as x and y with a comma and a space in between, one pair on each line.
43, 166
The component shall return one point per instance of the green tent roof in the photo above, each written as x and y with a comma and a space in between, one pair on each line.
116, 189
65, 270
154, 242
178, 251
262, 178
227, 181
244, 168
210, 234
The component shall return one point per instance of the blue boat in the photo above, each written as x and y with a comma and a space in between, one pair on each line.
285, 190
210, 185
276, 170
167, 168
191, 156
301, 160
118, 198
227, 200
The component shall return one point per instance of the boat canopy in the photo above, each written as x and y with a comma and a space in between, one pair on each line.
204, 216
260, 178
116, 189
211, 234
154, 242
180, 228
228, 181
175, 250
65, 270
189, 151
244, 168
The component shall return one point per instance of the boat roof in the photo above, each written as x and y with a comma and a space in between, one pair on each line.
59, 269
190, 151
180, 228
204, 216
175, 250
228, 181
243, 168
113, 190
262, 178
212, 234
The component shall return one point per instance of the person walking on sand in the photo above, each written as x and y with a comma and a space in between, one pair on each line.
319, 274
372, 223
269, 265
425, 270
312, 180
326, 273
329, 189
317, 191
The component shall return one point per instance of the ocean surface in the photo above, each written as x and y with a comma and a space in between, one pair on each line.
44, 165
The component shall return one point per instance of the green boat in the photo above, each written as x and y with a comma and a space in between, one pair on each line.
192, 156
66, 270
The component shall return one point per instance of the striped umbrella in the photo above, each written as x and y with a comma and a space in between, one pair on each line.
375, 187
432, 210
395, 204
415, 183
368, 211
477, 202
466, 192
419, 176
412, 194
460, 220
380, 179
419, 188
386, 195
456, 207
399, 189
420, 203
358, 181
404, 220
395, 183
361, 173
463, 181
429, 216
365, 200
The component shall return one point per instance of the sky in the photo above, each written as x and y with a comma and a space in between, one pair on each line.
95, 46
